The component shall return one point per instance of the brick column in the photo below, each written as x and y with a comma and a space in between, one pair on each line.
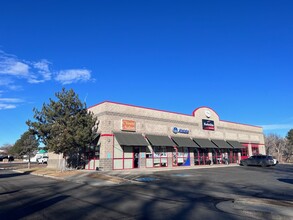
249, 150
106, 152
142, 160
210, 155
239, 157
191, 155
170, 158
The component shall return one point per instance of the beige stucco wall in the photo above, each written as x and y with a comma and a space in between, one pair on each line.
56, 161
150, 121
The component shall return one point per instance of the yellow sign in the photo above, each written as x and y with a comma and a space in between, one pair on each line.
128, 125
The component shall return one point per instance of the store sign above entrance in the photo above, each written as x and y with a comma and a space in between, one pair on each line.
180, 130
128, 125
208, 125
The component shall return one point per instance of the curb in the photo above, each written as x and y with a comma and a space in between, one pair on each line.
91, 183
42, 175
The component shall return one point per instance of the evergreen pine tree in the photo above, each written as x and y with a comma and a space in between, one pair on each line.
65, 126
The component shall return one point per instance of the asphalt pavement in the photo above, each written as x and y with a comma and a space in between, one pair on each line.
254, 192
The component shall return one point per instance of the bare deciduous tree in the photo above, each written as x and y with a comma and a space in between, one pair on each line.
288, 151
275, 145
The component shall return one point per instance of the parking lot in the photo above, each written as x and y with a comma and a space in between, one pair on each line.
175, 194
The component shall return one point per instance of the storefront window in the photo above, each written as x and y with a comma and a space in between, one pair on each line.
244, 151
160, 157
92, 152
97, 152
182, 156
254, 149
233, 158
225, 156
128, 157
91, 157
201, 157
149, 157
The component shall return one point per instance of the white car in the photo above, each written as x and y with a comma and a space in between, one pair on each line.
275, 162
43, 159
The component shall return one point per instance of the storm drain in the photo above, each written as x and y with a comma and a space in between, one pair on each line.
146, 179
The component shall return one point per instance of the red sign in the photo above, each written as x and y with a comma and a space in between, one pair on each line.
128, 125
208, 125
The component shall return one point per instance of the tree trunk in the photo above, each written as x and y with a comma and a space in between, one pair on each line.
61, 162
29, 162
279, 156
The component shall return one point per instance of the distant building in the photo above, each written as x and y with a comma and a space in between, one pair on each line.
36, 155
3, 151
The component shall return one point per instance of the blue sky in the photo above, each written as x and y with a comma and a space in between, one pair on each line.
235, 57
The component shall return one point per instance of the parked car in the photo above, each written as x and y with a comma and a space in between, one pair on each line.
2, 157
42, 159
8, 157
258, 160
275, 161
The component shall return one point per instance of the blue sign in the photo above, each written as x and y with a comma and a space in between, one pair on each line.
180, 130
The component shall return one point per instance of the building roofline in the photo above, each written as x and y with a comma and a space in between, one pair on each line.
192, 115
118, 103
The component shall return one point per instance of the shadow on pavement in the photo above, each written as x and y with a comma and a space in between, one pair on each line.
36, 207
9, 192
290, 181
169, 195
8, 175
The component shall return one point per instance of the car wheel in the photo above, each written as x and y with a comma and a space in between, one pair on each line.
244, 163
263, 164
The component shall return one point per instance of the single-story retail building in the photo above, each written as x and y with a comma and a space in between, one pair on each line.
132, 137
